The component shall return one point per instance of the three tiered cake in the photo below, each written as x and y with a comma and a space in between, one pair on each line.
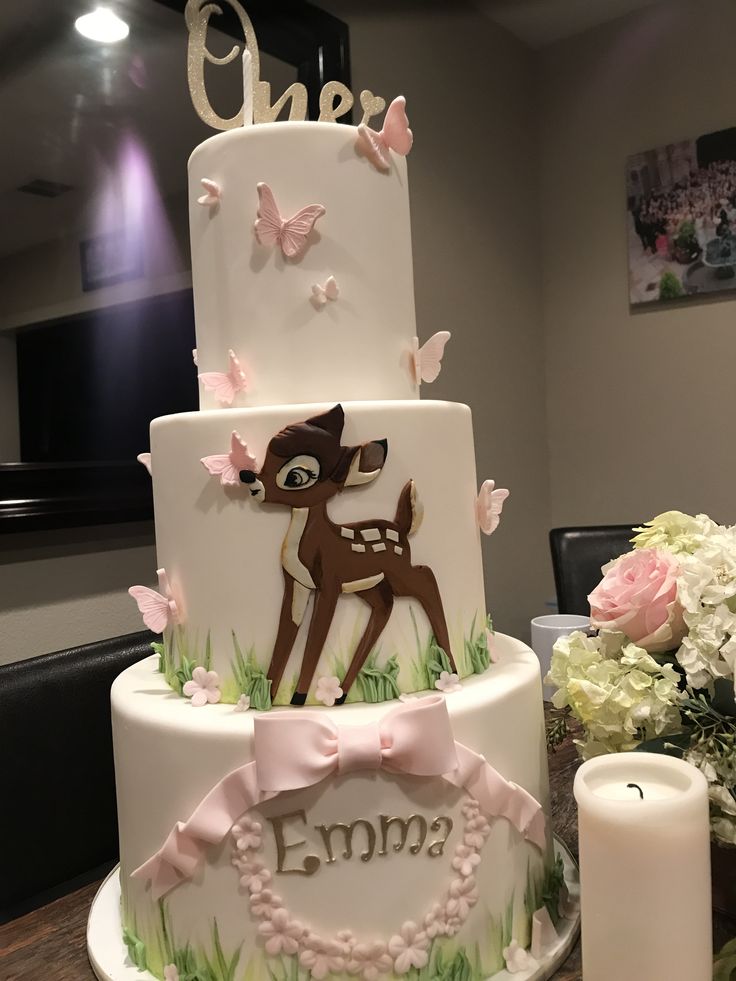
318, 531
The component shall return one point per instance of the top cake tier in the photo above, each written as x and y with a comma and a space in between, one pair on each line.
252, 299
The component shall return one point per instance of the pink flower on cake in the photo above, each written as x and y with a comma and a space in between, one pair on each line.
321, 957
435, 922
258, 879
463, 897
409, 948
282, 934
204, 687
328, 690
476, 831
638, 597
171, 973
466, 860
264, 903
470, 809
369, 960
517, 959
159, 610
227, 466
247, 834
448, 682
242, 704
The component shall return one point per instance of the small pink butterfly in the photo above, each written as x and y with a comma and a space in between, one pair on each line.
489, 505
159, 610
427, 360
290, 234
227, 466
145, 459
212, 194
395, 135
321, 294
225, 385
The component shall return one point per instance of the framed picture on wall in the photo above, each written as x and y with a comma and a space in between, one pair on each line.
681, 201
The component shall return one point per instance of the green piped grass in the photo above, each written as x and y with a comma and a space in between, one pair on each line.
250, 677
476, 648
379, 684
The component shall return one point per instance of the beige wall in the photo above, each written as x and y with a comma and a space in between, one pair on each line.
639, 405
470, 90
70, 587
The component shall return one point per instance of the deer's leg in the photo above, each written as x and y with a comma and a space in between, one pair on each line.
381, 601
289, 621
419, 582
324, 610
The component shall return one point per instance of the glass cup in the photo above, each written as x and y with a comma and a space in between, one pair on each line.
546, 631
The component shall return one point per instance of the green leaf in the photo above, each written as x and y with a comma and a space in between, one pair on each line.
674, 745
724, 968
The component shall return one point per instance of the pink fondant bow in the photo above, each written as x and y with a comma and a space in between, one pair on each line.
297, 750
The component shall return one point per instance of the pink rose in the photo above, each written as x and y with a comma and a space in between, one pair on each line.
638, 596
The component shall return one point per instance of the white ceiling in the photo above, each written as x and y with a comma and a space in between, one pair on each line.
540, 22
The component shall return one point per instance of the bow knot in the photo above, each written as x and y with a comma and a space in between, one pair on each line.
359, 748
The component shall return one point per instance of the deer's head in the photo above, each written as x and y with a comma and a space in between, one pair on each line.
306, 464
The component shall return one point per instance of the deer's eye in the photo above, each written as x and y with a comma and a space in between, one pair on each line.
299, 473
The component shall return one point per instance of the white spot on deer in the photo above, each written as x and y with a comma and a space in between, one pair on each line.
347, 532
357, 547
381, 547
371, 535
358, 585
392, 534
398, 549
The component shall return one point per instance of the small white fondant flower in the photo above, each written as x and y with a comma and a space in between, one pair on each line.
448, 682
369, 960
171, 973
328, 690
264, 903
466, 860
409, 948
470, 809
321, 957
517, 959
476, 831
282, 934
203, 688
347, 939
435, 922
463, 897
248, 838
242, 704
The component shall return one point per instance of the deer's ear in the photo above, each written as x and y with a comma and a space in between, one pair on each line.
331, 422
366, 462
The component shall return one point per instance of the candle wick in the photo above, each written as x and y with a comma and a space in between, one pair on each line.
636, 785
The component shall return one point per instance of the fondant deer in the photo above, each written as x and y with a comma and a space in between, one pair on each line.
305, 467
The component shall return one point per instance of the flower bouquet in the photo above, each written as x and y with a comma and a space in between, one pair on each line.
658, 673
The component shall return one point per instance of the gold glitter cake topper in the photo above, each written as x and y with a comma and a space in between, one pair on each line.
257, 106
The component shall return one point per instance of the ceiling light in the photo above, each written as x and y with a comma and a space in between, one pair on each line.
102, 25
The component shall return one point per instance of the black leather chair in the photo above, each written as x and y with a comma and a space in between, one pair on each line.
577, 557
58, 812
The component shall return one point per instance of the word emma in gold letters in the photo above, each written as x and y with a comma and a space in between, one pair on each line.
415, 824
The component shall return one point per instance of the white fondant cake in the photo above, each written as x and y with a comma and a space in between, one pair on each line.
318, 541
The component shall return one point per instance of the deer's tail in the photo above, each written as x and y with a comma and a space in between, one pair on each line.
409, 511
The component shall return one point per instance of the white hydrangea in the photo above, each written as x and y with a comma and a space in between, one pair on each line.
618, 691
679, 533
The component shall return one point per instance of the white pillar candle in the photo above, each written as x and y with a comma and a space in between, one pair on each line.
247, 88
644, 869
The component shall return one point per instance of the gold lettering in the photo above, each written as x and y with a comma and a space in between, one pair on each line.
404, 825
437, 847
348, 831
328, 111
372, 105
311, 862
264, 112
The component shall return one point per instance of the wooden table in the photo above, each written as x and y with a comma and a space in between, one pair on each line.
49, 944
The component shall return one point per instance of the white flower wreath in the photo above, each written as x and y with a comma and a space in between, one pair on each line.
408, 948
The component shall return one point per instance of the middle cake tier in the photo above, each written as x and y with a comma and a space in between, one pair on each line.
318, 552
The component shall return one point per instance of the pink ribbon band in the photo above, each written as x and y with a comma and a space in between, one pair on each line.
296, 750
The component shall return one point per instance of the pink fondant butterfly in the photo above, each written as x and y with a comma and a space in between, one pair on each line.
290, 234
159, 610
489, 505
395, 135
145, 459
321, 294
212, 194
427, 360
227, 466
225, 385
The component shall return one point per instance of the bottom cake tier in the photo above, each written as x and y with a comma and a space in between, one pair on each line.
380, 871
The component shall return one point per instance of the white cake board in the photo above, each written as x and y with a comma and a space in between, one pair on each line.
108, 954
